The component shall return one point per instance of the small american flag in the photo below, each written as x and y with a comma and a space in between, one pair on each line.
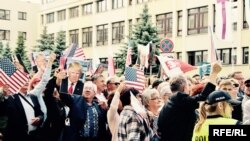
11, 76
75, 51
134, 78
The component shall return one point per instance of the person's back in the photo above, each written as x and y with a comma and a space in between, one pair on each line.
212, 120
177, 118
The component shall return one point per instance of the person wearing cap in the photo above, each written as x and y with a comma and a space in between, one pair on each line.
246, 102
112, 84
178, 116
216, 110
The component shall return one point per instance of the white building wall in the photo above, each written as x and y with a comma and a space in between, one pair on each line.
30, 26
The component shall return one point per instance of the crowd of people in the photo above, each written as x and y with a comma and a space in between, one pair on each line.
60, 107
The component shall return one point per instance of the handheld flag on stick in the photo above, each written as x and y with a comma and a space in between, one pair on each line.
135, 78
10, 75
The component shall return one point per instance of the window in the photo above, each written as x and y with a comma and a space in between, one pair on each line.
130, 27
103, 60
4, 34
179, 55
227, 56
245, 24
87, 37
130, 2
197, 20
179, 28
4, 14
22, 16
245, 55
197, 57
101, 5
141, 1
42, 21
214, 17
87, 9
117, 32
73, 12
164, 24
50, 18
24, 34
102, 35
117, 4
61, 15
73, 36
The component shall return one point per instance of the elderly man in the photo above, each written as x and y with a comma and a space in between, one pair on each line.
87, 119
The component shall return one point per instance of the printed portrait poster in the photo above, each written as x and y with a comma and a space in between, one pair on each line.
85, 67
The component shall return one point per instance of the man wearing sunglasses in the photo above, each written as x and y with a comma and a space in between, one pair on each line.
112, 84
246, 103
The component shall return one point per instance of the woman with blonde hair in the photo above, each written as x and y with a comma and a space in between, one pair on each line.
216, 110
153, 103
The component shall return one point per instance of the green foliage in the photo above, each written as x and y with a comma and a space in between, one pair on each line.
45, 42
143, 33
1, 48
7, 51
60, 46
20, 49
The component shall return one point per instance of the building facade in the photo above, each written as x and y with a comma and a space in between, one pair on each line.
17, 17
101, 26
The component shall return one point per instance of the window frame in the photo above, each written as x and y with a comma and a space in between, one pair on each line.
87, 33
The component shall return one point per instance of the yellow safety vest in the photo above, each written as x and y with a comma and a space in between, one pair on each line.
202, 134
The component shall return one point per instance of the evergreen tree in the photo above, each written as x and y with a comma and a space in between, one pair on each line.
60, 46
1, 48
46, 42
20, 49
142, 33
7, 51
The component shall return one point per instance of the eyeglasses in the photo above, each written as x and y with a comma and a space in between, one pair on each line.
247, 84
116, 83
236, 85
155, 98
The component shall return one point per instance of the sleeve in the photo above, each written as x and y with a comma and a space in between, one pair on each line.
112, 112
209, 88
39, 88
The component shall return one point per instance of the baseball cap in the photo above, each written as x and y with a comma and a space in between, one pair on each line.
218, 96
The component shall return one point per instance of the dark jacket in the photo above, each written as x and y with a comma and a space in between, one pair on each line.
77, 116
177, 118
17, 127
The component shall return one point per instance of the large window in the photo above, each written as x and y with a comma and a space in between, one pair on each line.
73, 12
87, 37
61, 15
117, 4
73, 36
197, 57
197, 20
179, 55
102, 35
4, 34
50, 18
117, 32
87, 9
130, 27
179, 28
101, 5
245, 54
227, 56
164, 24
24, 34
22, 16
4, 14
245, 24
